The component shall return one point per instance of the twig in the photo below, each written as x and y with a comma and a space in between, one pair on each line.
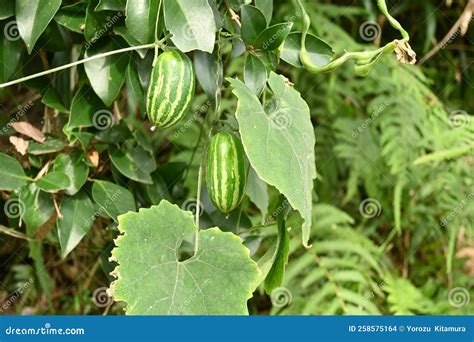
465, 17
70, 65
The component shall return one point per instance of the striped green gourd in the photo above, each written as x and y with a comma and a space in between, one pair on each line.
226, 172
171, 89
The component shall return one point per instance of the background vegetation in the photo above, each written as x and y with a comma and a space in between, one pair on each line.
392, 228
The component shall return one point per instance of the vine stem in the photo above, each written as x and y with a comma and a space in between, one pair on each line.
198, 206
364, 59
394, 22
82, 61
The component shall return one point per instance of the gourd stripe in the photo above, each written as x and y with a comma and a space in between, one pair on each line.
179, 106
164, 111
153, 88
236, 172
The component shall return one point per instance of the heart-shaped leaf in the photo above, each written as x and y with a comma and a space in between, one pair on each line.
287, 135
151, 279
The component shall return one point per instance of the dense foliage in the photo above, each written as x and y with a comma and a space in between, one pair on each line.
234, 157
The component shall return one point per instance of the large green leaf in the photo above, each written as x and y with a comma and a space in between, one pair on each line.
84, 105
253, 23
72, 17
111, 5
106, 74
273, 37
32, 17
280, 144
192, 24
257, 190
151, 279
75, 168
255, 74
98, 23
209, 71
266, 6
12, 176
38, 205
51, 145
113, 199
141, 19
319, 51
53, 182
78, 216
133, 162
10, 51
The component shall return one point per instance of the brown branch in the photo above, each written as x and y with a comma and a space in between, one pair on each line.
460, 25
